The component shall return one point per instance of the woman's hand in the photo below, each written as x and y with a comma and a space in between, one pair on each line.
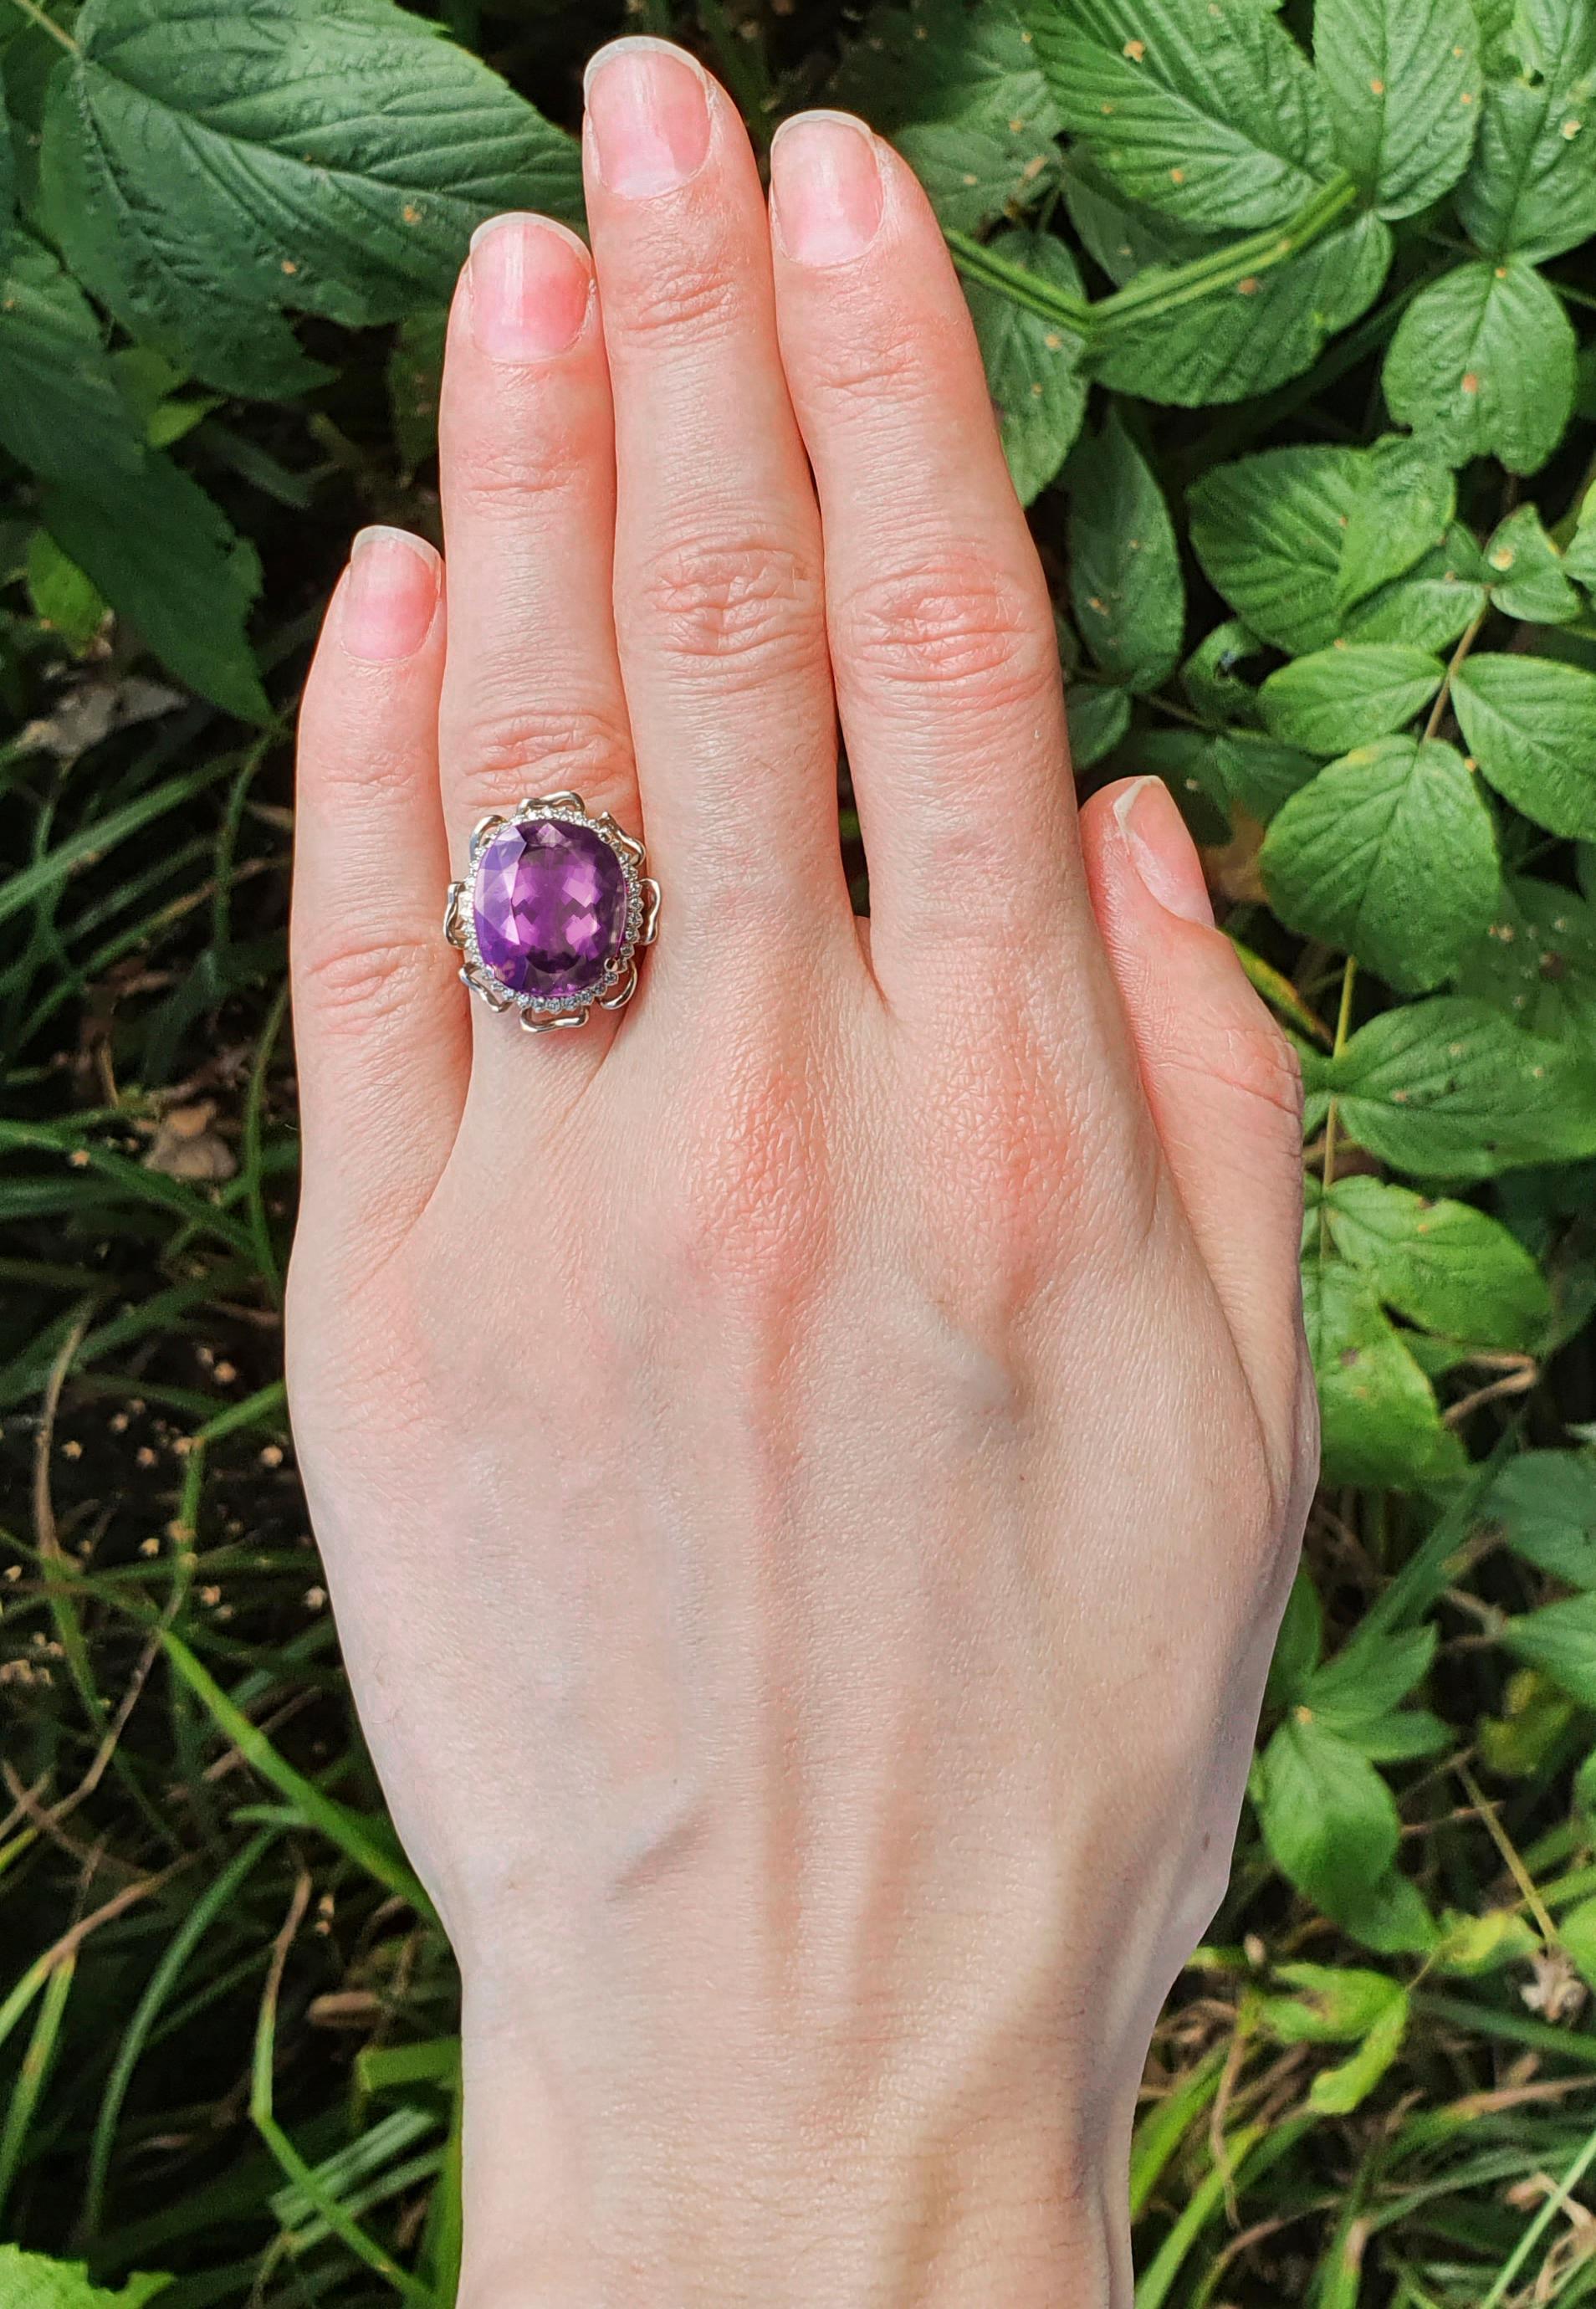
810, 1468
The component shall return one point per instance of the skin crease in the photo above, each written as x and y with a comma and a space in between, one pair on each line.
809, 1469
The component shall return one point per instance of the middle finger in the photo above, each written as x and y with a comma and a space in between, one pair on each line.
719, 599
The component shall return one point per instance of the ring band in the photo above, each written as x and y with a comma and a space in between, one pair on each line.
552, 911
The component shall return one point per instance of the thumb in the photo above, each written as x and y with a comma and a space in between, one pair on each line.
1221, 1078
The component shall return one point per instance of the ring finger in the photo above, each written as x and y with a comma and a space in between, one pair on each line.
532, 700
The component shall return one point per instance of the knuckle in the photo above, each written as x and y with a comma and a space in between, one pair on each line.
750, 1197
749, 598
868, 369
366, 980
499, 471
955, 619
676, 297
498, 753
1254, 1057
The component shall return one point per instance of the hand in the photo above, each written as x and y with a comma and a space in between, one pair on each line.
809, 1467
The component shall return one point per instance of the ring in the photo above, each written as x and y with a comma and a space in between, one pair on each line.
552, 911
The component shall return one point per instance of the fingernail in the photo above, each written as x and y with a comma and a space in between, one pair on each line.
391, 595
1162, 852
530, 283
648, 105
825, 186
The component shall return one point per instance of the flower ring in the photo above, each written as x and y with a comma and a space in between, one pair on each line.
551, 913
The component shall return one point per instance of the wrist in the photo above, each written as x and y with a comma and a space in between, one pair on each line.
782, 2197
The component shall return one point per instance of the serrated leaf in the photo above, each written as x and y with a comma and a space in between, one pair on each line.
1328, 1818
1447, 1089
1546, 1503
956, 86
1381, 1423
1369, 1676
1033, 368
1271, 532
1098, 718
1537, 961
1531, 724
1527, 576
152, 542
1401, 81
30, 2280
1255, 334
1299, 1643
1126, 585
1211, 679
1211, 114
1441, 1263
1337, 698
1400, 512
1531, 188
1482, 364
1561, 1642
1579, 561
1440, 596
415, 379
1389, 854
1237, 770
208, 165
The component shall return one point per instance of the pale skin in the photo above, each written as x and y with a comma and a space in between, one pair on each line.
810, 1467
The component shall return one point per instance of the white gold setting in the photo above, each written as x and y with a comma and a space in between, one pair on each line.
614, 988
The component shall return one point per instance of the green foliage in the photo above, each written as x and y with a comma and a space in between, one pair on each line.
1288, 326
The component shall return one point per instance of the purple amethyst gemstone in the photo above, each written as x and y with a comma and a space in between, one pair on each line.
550, 905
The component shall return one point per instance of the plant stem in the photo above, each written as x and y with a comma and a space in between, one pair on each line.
36, 15
1162, 288
1444, 696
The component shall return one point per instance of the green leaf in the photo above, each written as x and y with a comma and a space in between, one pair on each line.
207, 165
415, 383
1272, 533
1125, 565
1033, 369
1561, 1642
1299, 1643
1531, 724
63, 599
1328, 1818
29, 2281
1389, 854
1579, 561
956, 85
1247, 338
1381, 1423
1527, 576
1576, 1931
1209, 677
1443, 1265
1538, 963
1472, 1945
148, 536
1546, 1503
1099, 718
1446, 1088
1211, 115
1399, 512
1482, 364
1337, 2006
1235, 770
1531, 189
1401, 81
1368, 1677
1336, 699
1442, 595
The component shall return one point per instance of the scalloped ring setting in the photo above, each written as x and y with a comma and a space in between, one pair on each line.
552, 911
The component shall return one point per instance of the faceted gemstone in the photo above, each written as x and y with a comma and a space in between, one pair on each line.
550, 903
